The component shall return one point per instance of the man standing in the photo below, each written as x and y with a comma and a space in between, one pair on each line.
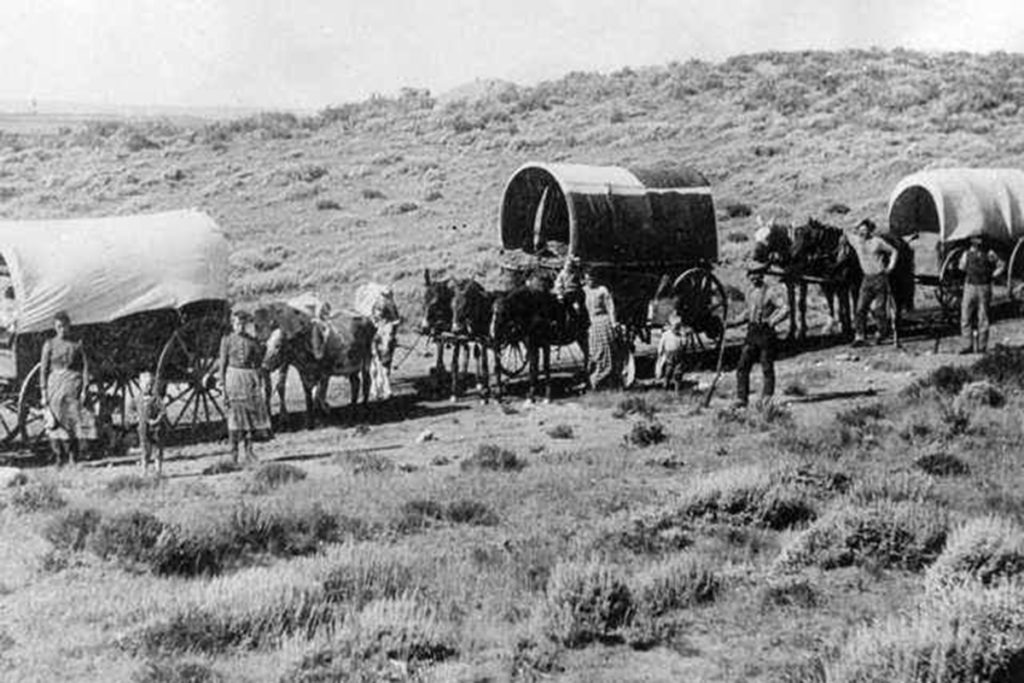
877, 259
759, 344
980, 266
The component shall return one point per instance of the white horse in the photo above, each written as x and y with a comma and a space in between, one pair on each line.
377, 302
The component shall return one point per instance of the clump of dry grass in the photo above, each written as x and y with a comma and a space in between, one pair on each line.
131, 482
275, 474
646, 433
373, 573
395, 630
561, 431
673, 583
492, 457
790, 590
585, 601
755, 495
635, 405
881, 485
176, 671
966, 634
70, 529
129, 537
652, 531
941, 464
985, 550
37, 496
906, 535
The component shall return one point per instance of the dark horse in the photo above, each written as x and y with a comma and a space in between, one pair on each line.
531, 314
813, 251
461, 307
295, 339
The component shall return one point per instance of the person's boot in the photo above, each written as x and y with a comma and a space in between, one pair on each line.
982, 342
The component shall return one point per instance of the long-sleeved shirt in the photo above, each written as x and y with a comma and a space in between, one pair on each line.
875, 255
760, 305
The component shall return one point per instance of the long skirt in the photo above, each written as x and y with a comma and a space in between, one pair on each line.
603, 357
247, 410
71, 420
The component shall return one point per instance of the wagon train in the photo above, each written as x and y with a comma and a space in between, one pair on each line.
145, 293
945, 208
646, 233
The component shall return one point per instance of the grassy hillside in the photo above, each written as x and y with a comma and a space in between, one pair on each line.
382, 188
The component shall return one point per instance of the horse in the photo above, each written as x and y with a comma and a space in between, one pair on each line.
461, 307
815, 250
317, 350
377, 302
533, 315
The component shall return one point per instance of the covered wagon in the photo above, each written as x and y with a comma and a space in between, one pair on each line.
634, 226
144, 293
951, 205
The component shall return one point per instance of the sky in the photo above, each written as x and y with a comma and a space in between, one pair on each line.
309, 54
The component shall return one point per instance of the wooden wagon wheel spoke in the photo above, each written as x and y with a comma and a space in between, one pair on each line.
184, 409
951, 284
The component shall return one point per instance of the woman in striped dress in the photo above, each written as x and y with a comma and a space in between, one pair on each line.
602, 339
63, 377
240, 359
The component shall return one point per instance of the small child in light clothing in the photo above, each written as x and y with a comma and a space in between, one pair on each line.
150, 411
671, 349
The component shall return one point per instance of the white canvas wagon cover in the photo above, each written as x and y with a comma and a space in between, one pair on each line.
102, 269
958, 203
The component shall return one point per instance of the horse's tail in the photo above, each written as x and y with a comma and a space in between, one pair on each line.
901, 281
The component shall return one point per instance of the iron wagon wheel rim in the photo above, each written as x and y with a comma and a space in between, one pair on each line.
29, 398
951, 283
185, 375
707, 301
1015, 256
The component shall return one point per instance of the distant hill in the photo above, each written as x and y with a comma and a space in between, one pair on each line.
383, 188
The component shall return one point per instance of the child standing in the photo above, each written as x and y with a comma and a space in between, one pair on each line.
671, 347
150, 413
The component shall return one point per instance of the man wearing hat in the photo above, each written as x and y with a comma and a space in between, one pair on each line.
761, 316
980, 267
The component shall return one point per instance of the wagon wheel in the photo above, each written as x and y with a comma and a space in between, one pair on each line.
30, 411
703, 308
513, 358
951, 284
9, 415
1014, 274
186, 377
